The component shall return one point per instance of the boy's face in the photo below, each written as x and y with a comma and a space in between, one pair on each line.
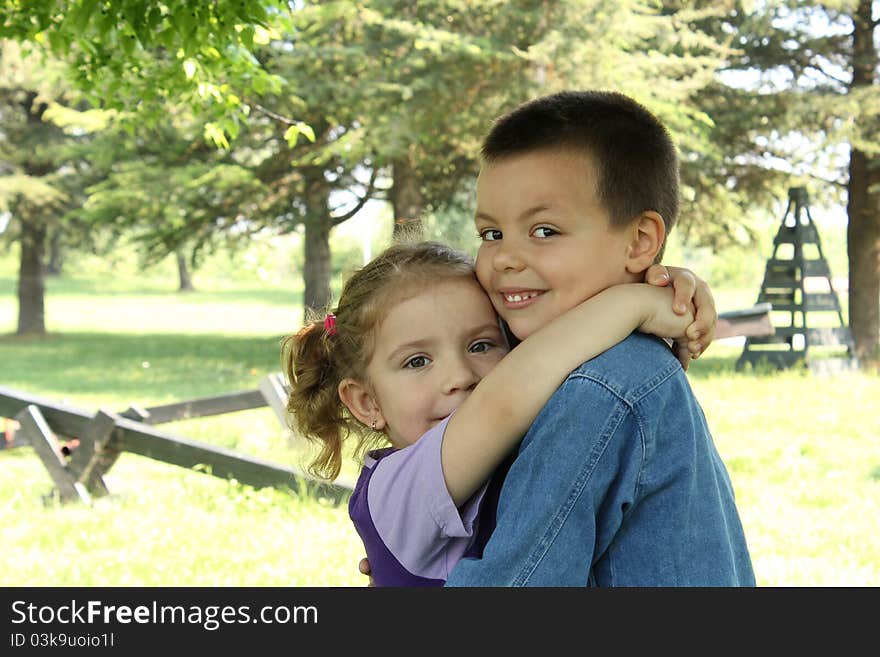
548, 243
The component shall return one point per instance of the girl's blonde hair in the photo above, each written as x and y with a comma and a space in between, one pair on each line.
315, 360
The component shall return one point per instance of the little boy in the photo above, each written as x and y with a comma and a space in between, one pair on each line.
617, 482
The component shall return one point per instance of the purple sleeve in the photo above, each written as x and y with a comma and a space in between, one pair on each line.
413, 512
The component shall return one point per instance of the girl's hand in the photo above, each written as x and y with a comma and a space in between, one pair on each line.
659, 318
364, 569
688, 288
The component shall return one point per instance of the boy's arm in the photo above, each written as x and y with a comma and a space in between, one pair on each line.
503, 405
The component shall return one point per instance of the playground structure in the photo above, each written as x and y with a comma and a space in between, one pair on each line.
799, 289
95, 441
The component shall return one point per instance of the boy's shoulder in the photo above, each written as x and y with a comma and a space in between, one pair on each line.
632, 367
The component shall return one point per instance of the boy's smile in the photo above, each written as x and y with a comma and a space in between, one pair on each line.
548, 243
519, 298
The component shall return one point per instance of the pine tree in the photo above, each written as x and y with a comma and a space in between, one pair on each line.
38, 181
806, 73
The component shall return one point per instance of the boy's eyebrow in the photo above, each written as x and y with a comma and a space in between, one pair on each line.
522, 217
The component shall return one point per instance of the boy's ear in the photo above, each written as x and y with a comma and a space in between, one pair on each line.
647, 234
358, 400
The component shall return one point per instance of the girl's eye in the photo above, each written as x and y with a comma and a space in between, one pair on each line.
490, 235
417, 362
480, 347
544, 232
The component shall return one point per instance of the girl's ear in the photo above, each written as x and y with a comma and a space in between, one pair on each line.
358, 400
648, 232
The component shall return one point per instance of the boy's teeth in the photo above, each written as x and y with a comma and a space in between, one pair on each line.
520, 297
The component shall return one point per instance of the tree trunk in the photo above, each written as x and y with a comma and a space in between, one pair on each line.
407, 201
56, 254
316, 268
31, 291
863, 251
31, 288
183, 273
863, 209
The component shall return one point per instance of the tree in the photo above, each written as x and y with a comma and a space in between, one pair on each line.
135, 56
405, 91
432, 76
38, 180
428, 78
389, 92
814, 78
300, 176
168, 191
664, 55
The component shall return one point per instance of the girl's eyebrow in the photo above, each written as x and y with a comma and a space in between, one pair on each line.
413, 345
420, 345
489, 326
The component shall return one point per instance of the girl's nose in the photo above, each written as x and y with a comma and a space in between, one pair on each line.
460, 375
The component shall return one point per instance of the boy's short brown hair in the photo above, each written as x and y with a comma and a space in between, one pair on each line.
636, 161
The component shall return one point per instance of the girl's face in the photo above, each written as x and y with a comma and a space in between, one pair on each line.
430, 352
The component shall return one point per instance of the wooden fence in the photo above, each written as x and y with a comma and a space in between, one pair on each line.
99, 438
746, 322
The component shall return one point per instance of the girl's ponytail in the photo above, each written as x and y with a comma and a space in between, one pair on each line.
313, 406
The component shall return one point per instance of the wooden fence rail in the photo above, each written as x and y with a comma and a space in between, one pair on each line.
103, 436
754, 321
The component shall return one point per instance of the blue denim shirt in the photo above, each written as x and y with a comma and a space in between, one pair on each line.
617, 483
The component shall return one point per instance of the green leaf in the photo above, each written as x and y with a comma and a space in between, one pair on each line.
291, 135
306, 130
261, 36
128, 43
189, 68
214, 133
81, 14
247, 36
58, 42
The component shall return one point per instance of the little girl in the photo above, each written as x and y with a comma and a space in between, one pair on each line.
414, 356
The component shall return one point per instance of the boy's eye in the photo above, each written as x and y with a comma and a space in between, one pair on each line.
544, 232
480, 347
490, 235
417, 362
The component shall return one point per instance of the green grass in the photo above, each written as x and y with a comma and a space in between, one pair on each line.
803, 451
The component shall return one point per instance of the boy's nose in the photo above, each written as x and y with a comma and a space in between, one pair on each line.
507, 257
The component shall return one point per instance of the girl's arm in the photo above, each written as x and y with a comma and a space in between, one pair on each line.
502, 406
689, 288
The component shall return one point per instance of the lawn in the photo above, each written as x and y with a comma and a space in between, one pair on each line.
803, 451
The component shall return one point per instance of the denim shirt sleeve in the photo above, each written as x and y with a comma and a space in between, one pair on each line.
566, 493
617, 483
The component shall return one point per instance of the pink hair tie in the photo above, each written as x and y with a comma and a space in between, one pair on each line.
330, 324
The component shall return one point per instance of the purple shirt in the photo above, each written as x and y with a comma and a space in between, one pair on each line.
412, 531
